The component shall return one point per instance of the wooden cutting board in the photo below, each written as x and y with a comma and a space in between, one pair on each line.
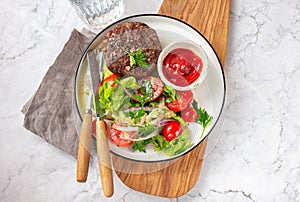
175, 178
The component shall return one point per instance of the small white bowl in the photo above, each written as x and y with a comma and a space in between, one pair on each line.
197, 49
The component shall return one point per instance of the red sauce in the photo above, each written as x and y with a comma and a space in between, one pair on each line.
182, 67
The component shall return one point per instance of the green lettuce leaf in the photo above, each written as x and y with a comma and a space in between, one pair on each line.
130, 83
178, 145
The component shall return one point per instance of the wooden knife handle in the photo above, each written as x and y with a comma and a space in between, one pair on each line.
84, 147
104, 160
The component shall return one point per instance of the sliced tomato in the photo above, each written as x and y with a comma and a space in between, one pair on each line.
111, 79
189, 114
183, 101
115, 137
157, 86
172, 130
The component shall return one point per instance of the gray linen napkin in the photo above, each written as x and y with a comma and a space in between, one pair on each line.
49, 113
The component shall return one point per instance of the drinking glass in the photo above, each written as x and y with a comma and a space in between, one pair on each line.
98, 13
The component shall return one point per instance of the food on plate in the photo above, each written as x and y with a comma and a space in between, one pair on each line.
111, 79
172, 130
182, 101
203, 118
189, 114
129, 41
115, 136
156, 85
139, 115
142, 111
182, 66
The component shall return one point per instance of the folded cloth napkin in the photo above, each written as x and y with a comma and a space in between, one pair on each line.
49, 113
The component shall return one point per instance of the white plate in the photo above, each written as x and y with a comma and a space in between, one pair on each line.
210, 94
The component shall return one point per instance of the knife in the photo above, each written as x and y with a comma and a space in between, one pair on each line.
85, 142
103, 153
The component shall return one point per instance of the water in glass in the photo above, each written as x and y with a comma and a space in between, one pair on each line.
98, 13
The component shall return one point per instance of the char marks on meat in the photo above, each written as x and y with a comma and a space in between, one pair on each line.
131, 36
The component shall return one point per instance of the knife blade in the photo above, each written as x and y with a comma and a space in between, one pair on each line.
103, 153
94, 66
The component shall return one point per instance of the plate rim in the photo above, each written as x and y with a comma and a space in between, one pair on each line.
172, 18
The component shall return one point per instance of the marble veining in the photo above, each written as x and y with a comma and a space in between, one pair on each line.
253, 154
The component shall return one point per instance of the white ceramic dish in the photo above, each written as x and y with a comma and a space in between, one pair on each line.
196, 49
210, 94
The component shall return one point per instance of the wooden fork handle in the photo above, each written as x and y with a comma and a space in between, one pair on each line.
104, 160
84, 147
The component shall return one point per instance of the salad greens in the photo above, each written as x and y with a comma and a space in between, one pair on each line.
105, 99
111, 99
130, 83
178, 145
204, 118
136, 57
140, 117
146, 93
147, 129
172, 148
170, 93
140, 145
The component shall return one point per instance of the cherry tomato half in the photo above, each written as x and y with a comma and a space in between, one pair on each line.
189, 114
115, 137
111, 79
184, 100
172, 130
157, 86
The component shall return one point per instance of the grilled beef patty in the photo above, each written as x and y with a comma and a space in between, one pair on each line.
131, 36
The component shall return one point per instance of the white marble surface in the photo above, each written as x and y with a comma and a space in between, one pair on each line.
256, 157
